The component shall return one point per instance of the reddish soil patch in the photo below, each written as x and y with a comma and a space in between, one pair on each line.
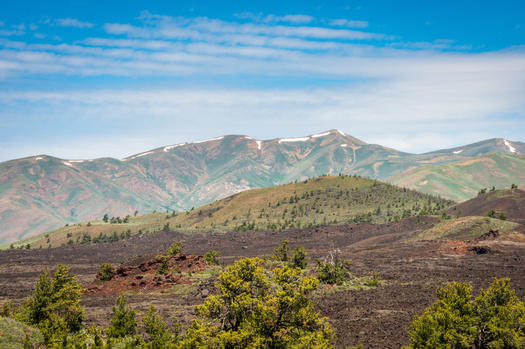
145, 277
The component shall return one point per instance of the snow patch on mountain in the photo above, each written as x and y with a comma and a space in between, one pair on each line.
344, 145
259, 144
139, 155
341, 133
509, 145
39, 158
169, 147
67, 163
457, 151
76, 160
321, 134
295, 139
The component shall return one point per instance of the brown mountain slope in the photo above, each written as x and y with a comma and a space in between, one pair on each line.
511, 202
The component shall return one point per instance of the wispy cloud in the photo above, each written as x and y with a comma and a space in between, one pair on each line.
349, 23
201, 28
73, 22
403, 86
294, 19
11, 32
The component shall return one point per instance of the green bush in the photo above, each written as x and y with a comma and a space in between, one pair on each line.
106, 272
281, 252
123, 322
163, 267
495, 319
160, 335
334, 269
260, 308
299, 257
374, 281
55, 307
211, 257
175, 248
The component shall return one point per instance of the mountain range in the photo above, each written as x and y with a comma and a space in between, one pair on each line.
42, 192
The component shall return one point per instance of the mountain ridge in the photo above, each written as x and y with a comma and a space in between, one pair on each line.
42, 192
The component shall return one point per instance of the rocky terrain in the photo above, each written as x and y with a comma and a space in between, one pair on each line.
375, 317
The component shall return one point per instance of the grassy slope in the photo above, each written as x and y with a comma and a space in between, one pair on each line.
323, 200
465, 227
462, 180
13, 334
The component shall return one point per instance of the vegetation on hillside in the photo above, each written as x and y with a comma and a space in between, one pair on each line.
317, 201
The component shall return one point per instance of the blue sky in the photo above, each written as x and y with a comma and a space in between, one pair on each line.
89, 79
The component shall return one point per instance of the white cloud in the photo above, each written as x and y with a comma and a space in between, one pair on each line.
73, 22
11, 32
349, 23
294, 19
404, 87
202, 28
444, 101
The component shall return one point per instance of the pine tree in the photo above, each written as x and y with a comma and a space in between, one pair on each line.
160, 336
56, 306
123, 322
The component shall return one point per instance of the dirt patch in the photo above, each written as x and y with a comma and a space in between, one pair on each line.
152, 275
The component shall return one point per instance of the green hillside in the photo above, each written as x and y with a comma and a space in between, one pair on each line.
462, 180
323, 200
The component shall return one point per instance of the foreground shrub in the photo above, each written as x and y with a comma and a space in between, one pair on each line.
495, 319
175, 248
55, 307
257, 308
106, 272
333, 269
160, 335
123, 322
299, 257
211, 257
281, 252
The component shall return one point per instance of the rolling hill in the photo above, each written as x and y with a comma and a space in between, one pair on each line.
510, 202
42, 192
322, 200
